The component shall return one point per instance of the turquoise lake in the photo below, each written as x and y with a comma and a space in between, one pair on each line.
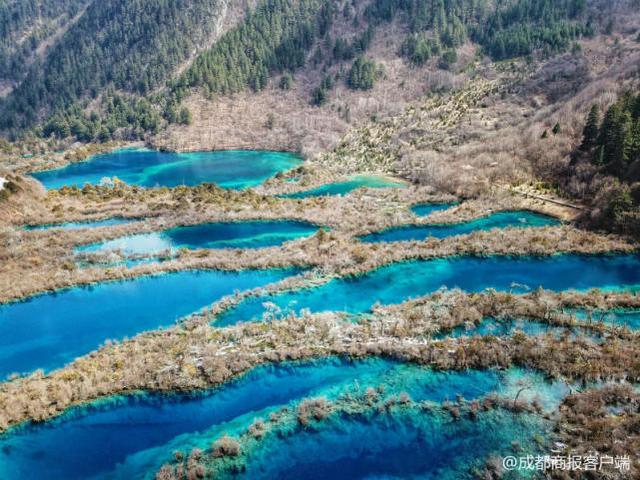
513, 219
253, 234
401, 281
47, 331
131, 437
233, 169
344, 187
109, 222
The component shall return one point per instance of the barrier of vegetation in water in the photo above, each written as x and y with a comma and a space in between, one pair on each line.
398, 282
46, 331
131, 437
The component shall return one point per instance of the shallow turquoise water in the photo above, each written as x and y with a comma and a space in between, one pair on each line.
252, 234
148, 168
491, 326
50, 330
619, 318
109, 222
129, 438
424, 209
513, 219
401, 281
342, 188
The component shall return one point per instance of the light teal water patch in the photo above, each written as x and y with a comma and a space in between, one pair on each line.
148, 168
425, 209
618, 318
353, 183
130, 437
50, 330
401, 281
514, 219
114, 260
109, 222
491, 326
252, 234
143, 243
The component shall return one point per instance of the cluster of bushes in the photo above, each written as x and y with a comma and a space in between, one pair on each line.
347, 50
613, 142
524, 26
362, 74
9, 186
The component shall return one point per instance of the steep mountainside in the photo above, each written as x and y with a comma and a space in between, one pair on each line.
131, 54
132, 46
26, 28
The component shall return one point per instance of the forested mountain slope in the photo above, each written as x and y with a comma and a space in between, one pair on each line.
131, 46
26, 27
130, 53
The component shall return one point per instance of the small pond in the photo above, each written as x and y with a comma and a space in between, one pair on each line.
513, 219
252, 234
349, 185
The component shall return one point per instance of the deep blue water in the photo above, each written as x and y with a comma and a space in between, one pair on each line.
130, 437
401, 281
344, 187
424, 209
401, 445
109, 222
49, 330
148, 168
514, 219
252, 234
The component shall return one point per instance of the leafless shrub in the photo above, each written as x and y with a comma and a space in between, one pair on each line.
226, 446
313, 408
